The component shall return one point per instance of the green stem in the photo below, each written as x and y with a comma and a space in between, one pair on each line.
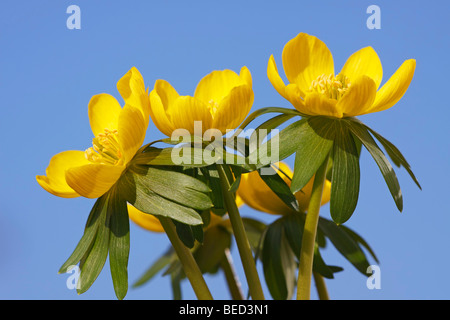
321, 287
188, 262
309, 235
231, 277
245, 252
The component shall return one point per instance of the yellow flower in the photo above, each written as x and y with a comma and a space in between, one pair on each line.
256, 194
221, 101
118, 134
144, 220
314, 89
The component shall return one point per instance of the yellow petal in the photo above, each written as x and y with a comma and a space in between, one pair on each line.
162, 99
304, 196
304, 59
131, 131
103, 111
144, 220
233, 108
187, 110
246, 76
394, 89
93, 180
54, 180
256, 194
274, 77
218, 84
358, 98
132, 89
318, 104
239, 201
364, 62
293, 94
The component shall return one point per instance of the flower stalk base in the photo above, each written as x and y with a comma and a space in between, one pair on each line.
309, 235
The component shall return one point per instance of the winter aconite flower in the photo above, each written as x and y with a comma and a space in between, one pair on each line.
221, 101
256, 193
146, 221
118, 135
315, 89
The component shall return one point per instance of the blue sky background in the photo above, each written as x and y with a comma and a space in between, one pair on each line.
48, 74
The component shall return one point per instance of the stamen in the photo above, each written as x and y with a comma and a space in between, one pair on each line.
331, 86
212, 107
105, 148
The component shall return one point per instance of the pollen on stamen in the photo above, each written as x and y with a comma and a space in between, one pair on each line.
105, 148
330, 86
212, 107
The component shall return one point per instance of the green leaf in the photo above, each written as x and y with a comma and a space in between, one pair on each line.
178, 187
383, 164
185, 234
278, 262
187, 156
264, 129
288, 143
262, 111
88, 237
168, 257
119, 243
281, 189
175, 281
360, 241
345, 244
314, 142
321, 267
293, 229
188, 234
395, 154
136, 190
210, 177
237, 172
209, 255
94, 260
197, 232
345, 175
216, 152
254, 229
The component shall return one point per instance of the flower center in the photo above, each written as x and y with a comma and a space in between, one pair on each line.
105, 148
212, 107
333, 87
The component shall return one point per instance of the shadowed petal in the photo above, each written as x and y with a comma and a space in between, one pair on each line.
304, 196
144, 220
256, 193
162, 99
233, 109
294, 96
318, 104
93, 180
358, 98
132, 128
